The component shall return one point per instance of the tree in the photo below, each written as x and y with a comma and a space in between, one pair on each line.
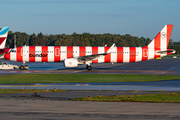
84, 39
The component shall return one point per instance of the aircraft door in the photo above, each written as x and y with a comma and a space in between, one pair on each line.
145, 52
57, 51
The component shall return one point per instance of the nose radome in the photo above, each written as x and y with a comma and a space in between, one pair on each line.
7, 56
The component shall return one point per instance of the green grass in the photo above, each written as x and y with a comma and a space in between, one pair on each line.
74, 78
11, 91
171, 56
155, 98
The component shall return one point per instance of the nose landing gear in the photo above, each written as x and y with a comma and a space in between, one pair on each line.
88, 67
23, 67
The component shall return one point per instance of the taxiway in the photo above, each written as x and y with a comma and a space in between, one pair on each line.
166, 66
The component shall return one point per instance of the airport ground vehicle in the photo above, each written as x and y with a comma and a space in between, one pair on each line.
5, 66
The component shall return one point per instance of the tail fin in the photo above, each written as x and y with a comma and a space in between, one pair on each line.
159, 45
3, 36
161, 41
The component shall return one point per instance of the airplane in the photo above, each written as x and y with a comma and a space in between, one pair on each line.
3, 37
72, 56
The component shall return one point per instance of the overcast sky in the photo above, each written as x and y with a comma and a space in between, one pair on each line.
135, 17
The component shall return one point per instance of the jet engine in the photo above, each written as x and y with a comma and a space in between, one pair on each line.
70, 62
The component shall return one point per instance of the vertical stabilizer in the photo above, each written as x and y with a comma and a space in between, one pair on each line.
3, 36
161, 41
159, 45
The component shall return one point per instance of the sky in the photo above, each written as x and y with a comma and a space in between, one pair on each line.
141, 18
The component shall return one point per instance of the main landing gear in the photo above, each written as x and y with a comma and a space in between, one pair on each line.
23, 66
88, 67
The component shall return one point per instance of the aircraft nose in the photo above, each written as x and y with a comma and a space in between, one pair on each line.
7, 56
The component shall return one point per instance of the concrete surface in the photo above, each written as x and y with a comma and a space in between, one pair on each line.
80, 110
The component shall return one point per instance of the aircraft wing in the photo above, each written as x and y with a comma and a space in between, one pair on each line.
95, 56
90, 57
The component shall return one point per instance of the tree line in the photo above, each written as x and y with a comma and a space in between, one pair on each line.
84, 39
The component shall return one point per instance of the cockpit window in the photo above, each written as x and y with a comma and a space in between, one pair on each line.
13, 51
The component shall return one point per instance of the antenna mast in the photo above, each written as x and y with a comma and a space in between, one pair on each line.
14, 41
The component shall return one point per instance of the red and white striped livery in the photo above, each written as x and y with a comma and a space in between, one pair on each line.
76, 55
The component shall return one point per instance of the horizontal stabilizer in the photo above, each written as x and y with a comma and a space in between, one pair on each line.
165, 51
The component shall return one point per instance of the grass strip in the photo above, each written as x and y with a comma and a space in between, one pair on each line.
74, 78
11, 91
153, 98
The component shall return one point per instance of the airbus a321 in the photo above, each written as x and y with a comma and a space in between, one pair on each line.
72, 56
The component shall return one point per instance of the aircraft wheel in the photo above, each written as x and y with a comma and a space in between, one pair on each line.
88, 67
21, 67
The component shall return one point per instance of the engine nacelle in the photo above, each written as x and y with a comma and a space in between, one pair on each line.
70, 62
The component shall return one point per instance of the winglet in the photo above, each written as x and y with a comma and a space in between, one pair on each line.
110, 49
